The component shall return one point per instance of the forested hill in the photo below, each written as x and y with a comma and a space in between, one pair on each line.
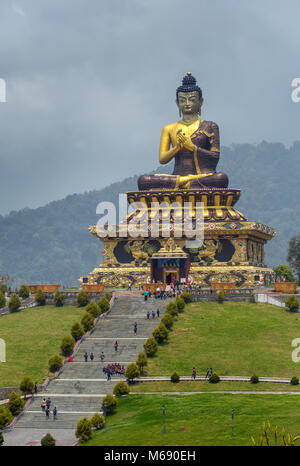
53, 244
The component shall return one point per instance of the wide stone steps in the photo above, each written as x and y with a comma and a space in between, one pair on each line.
68, 403
88, 370
38, 420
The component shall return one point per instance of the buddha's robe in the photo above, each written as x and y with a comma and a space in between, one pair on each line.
192, 169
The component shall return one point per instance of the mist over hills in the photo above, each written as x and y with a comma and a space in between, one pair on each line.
53, 244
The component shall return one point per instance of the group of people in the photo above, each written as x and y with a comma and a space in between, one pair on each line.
113, 369
153, 314
45, 405
209, 372
86, 357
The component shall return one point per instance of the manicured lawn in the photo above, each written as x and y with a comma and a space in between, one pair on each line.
195, 386
232, 338
197, 419
32, 336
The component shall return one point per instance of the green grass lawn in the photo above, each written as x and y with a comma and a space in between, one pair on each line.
196, 419
232, 338
198, 386
32, 336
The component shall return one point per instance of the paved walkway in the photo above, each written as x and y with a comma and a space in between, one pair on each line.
79, 389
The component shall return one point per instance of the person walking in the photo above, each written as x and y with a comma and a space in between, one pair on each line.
108, 374
48, 403
43, 404
54, 413
207, 373
116, 346
194, 373
102, 356
86, 357
47, 412
129, 286
35, 388
148, 315
157, 313
210, 372
153, 315
135, 328
92, 357
146, 295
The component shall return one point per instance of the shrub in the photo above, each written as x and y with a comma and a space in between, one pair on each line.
14, 303
294, 381
3, 287
121, 388
77, 331
55, 363
168, 321
58, 299
97, 421
15, 403
84, 429
254, 379
23, 291
150, 347
104, 305
111, 403
220, 296
26, 385
171, 309
82, 299
2, 300
48, 441
292, 303
132, 372
214, 378
40, 297
142, 361
108, 296
160, 333
67, 345
5, 417
186, 297
1, 438
175, 377
93, 309
87, 322
180, 303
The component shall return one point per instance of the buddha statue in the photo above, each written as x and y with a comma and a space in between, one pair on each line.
194, 143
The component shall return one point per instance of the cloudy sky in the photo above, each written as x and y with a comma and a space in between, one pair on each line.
90, 83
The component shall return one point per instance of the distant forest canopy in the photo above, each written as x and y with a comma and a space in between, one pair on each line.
52, 243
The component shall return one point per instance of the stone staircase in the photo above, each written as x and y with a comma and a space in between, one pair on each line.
79, 389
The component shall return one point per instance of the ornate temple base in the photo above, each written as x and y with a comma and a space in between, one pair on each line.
233, 249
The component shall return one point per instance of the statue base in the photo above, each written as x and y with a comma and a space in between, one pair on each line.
232, 251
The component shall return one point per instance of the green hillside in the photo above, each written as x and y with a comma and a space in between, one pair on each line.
53, 244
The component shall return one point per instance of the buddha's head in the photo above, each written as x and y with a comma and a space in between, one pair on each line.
189, 96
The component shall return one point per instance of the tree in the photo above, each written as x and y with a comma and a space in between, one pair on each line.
97, 421
5, 417
58, 299
48, 441
26, 385
14, 303
175, 377
171, 308
3, 288
87, 322
15, 403
294, 254
111, 403
150, 347
292, 303
77, 331
40, 298
220, 296
93, 309
142, 361
186, 297
104, 305
23, 291
67, 345
83, 429
121, 388
214, 378
132, 372
55, 363
180, 303
2, 300
160, 333
284, 272
82, 299
168, 321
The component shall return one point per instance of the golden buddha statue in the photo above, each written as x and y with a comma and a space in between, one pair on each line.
194, 143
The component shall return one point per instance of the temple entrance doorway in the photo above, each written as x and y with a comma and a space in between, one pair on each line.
171, 276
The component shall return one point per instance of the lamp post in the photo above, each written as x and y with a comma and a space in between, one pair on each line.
164, 418
104, 406
232, 426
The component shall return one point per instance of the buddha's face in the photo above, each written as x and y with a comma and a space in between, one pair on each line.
189, 102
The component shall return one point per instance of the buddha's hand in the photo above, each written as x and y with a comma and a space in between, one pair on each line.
185, 141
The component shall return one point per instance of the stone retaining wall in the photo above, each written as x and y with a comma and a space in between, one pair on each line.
236, 294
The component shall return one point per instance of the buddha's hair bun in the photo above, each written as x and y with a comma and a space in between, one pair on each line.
189, 84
